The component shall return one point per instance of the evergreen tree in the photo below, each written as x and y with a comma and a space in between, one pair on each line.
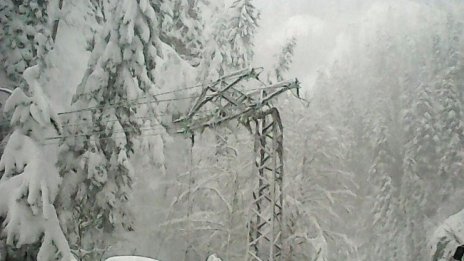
24, 42
30, 182
120, 73
385, 209
412, 200
284, 60
241, 27
230, 44
216, 58
420, 152
319, 182
423, 127
23, 29
451, 126
181, 28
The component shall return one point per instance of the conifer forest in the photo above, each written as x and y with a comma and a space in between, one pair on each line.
227, 130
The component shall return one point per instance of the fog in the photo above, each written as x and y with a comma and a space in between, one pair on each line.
376, 82
139, 128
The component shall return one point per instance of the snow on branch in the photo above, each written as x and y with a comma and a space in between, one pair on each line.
31, 181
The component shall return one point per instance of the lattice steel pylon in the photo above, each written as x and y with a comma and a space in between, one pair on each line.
253, 110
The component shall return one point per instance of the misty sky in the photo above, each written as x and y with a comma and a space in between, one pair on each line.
317, 25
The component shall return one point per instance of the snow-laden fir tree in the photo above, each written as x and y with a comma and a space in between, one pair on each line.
421, 128
454, 41
284, 60
229, 41
319, 183
217, 62
216, 55
30, 182
181, 28
230, 46
99, 140
241, 29
412, 201
420, 152
451, 130
314, 202
23, 28
24, 42
385, 207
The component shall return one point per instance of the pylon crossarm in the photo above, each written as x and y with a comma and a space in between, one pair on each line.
279, 89
233, 108
224, 103
210, 92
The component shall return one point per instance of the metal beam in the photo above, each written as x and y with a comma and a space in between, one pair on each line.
266, 222
226, 103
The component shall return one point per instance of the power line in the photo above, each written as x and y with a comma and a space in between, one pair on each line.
151, 127
149, 101
5, 123
163, 131
128, 102
52, 142
101, 132
204, 113
232, 75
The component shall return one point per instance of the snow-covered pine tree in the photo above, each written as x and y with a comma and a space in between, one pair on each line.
321, 149
216, 62
241, 29
284, 60
216, 53
181, 28
422, 128
418, 168
96, 18
23, 24
451, 127
385, 207
230, 48
454, 41
229, 44
313, 200
30, 182
412, 200
101, 136
230, 40
97, 7
24, 42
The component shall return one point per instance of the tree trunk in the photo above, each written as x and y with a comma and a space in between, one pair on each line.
57, 21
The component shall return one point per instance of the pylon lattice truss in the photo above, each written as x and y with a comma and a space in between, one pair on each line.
229, 101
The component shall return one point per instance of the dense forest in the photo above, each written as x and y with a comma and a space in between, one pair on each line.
373, 141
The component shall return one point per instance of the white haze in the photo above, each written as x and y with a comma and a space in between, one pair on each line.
373, 148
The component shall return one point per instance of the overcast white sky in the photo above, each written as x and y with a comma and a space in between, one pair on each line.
316, 24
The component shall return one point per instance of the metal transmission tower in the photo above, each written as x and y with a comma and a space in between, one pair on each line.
252, 109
